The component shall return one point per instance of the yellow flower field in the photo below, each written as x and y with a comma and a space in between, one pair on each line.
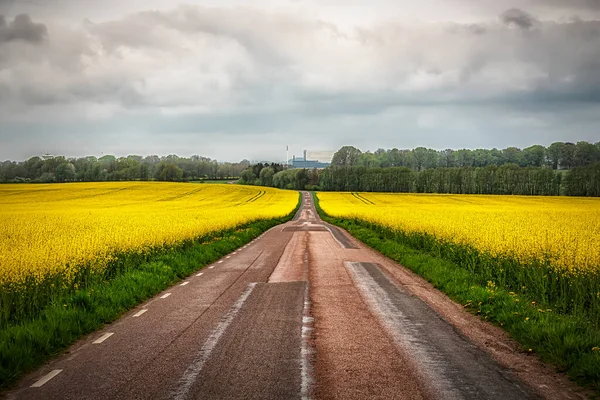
564, 230
49, 229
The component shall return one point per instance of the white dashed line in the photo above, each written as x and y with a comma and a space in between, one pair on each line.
46, 378
200, 274
220, 262
211, 267
103, 338
228, 257
193, 370
140, 312
184, 283
234, 253
164, 296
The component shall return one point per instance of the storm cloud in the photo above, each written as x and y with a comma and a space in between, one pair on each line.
518, 17
232, 72
22, 28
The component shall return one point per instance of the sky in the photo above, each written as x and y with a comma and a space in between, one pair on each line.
232, 80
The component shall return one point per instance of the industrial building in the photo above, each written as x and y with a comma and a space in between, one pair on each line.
313, 159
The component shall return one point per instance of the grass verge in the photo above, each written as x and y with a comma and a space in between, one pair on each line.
28, 344
571, 342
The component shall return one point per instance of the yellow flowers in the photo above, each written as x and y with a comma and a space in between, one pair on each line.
49, 229
564, 231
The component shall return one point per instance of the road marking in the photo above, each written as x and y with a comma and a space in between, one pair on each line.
200, 274
46, 378
103, 338
193, 370
211, 267
140, 312
184, 283
220, 262
228, 257
306, 350
234, 253
164, 296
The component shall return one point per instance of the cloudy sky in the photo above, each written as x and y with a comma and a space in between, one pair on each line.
227, 80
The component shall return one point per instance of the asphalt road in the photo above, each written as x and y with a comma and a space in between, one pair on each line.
304, 311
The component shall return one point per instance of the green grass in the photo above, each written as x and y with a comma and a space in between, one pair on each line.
31, 341
568, 339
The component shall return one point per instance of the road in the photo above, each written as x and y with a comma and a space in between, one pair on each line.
303, 311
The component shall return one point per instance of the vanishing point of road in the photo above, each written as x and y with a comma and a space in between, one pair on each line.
304, 311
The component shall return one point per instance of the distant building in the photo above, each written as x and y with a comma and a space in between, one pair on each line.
318, 159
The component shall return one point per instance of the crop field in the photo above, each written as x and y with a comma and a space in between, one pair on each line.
54, 237
546, 245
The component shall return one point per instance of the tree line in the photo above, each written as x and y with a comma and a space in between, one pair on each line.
276, 175
559, 155
533, 171
111, 168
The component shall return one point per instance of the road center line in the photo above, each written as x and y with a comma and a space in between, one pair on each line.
140, 312
193, 370
184, 283
46, 378
103, 338
164, 296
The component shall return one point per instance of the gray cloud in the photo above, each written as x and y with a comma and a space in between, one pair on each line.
22, 28
517, 17
233, 72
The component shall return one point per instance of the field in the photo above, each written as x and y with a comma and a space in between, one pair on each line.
529, 264
58, 237
560, 231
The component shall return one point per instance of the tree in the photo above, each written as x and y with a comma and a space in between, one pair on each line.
144, 172
346, 156
554, 154
534, 156
585, 154
301, 179
167, 171
448, 158
512, 155
567, 156
266, 176
248, 176
65, 172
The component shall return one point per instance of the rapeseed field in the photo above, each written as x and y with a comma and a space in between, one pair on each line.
564, 231
49, 234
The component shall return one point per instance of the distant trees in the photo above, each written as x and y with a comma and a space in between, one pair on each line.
167, 171
346, 156
506, 179
111, 168
559, 155
65, 172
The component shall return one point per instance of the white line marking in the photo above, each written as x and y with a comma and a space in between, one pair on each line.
193, 370
103, 338
220, 262
46, 378
234, 253
211, 267
228, 257
200, 274
164, 296
306, 352
140, 312
184, 283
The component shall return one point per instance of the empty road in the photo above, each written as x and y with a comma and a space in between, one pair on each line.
304, 311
